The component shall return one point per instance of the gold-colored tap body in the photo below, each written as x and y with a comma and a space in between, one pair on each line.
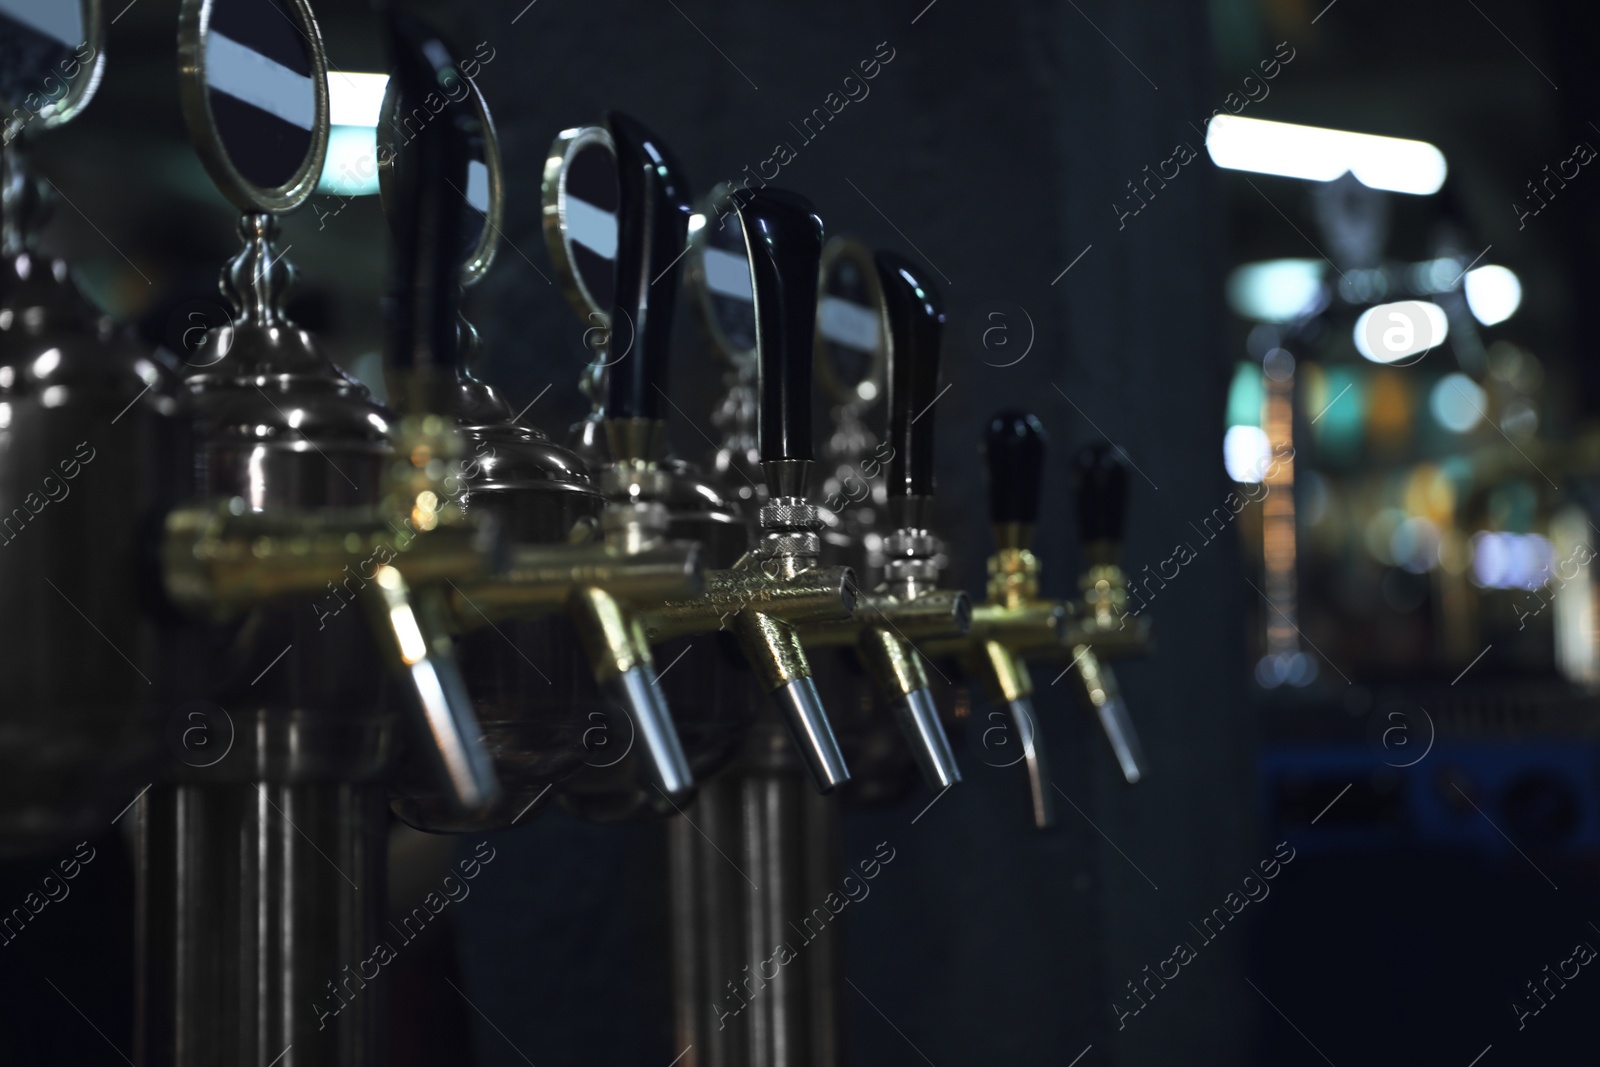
1013, 625
886, 630
601, 586
762, 600
1016, 626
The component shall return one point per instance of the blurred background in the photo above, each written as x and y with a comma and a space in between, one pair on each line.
1349, 373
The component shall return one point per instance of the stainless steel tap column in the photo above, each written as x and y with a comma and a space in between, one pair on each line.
261, 869
760, 845
589, 203
86, 461
529, 680
762, 851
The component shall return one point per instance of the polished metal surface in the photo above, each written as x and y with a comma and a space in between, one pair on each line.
1098, 686
636, 689
194, 35
918, 719
528, 677
808, 725
1025, 721
646, 487
415, 633
748, 874
262, 876
258, 904
88, 453
228, 969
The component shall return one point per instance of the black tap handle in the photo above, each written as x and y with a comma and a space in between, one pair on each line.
1102, 481
425, 288
784, 238
915, 315
1014, 445
652, 229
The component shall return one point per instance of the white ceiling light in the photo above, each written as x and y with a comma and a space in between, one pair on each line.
355, 99
1318, 154
1493, 294
351, 168
1389, 333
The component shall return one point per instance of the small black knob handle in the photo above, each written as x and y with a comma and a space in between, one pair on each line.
1014, 446
915, 315
652, 229
425, 289
1102, 481
784, 237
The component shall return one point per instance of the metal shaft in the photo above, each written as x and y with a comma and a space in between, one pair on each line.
259, 906
1026, 723
760, 854
918, 719
808, 725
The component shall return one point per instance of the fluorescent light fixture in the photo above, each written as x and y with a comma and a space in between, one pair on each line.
58, 21
351, 168
1389, 333
355, 99
594, 228
1317, 154
1276, 290
848, 324
1493, 293
728, 274
478, 186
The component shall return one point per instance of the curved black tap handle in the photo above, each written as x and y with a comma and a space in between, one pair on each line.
1102, 481
915, 316
1014, 445
784, 238
425, 290
652, 229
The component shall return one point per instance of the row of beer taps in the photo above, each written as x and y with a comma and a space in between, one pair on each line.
174, 626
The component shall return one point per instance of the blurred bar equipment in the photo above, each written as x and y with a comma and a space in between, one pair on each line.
261, 871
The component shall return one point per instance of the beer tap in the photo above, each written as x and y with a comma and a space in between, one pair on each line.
544, 499
261, 872
1100, 628
908, 604
779, 586
640, 222
711, 697
718, 281
1015, 626
80, 727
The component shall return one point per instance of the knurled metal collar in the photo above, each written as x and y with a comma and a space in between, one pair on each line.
788, 543
790, 513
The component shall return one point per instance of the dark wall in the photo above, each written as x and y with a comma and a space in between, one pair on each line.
992, 146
